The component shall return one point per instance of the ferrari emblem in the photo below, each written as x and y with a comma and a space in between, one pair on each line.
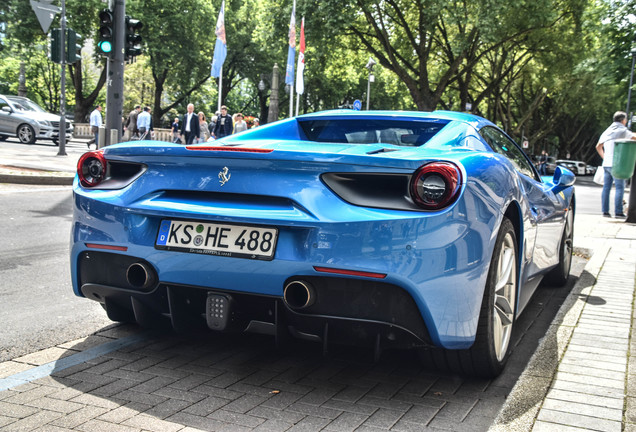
224, 176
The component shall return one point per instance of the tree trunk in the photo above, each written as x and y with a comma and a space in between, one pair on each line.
84, 104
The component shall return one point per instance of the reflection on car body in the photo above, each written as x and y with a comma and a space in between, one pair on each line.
577, 167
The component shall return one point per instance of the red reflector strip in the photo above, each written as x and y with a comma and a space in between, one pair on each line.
107, 247
233, 149
350, 272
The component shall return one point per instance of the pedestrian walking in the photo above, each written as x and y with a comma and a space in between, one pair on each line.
543, 161
143, 123
212, 124
239, 124
224, 124
204, 133
176, 127
130, 127
95, 122
190, 126
605, 147
255, 123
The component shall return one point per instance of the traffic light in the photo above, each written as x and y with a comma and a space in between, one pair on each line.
106, 43
73, 46
56, 45
133, 39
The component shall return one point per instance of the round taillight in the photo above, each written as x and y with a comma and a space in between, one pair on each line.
91, 168
436, 185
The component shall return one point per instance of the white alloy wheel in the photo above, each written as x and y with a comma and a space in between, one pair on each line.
504, 298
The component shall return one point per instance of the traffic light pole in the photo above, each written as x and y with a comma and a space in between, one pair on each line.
115, 70
62, 138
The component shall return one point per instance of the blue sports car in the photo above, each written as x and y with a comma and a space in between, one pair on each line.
389, 229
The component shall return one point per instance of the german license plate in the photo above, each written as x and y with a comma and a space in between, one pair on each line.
240, 241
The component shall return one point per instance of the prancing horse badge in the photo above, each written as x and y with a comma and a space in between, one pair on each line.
224, 177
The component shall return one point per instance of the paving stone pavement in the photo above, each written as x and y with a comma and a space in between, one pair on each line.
583, 376
211, 382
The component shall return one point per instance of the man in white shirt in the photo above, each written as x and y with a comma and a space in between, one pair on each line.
143, 123
95, 122
605, 147
190, 125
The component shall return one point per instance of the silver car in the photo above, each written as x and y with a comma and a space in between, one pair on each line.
21, 117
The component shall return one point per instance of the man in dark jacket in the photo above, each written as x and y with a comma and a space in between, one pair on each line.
131, 124
190, 126
224, 125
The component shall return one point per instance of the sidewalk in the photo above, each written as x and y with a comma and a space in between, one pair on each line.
583, 374
39, 163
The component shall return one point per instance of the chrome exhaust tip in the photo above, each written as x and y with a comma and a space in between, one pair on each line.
299, 294
140, 276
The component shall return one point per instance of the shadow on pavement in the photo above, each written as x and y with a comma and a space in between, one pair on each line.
215, 381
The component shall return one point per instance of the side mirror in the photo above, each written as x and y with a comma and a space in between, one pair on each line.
7, 109
562, 179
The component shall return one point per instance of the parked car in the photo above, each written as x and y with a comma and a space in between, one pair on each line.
391, 229
23, 118
577, 167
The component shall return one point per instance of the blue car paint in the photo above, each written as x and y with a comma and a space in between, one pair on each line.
441, 258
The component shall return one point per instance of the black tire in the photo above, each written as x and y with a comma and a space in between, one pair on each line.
56, 143
25, 134
558, 276
488, 355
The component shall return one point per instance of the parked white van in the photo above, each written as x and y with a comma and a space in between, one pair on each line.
580, 166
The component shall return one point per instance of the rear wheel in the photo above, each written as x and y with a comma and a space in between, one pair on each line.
558, 276
26, 135
489, 353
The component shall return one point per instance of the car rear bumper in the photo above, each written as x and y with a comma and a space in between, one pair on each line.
342, 310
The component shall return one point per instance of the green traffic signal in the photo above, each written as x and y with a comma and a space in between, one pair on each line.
106, 35
105, 47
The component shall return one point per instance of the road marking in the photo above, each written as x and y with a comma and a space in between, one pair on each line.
47, 369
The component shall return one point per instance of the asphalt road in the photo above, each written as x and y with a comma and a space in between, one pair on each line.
38, 308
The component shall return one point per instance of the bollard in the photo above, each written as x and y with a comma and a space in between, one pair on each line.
101, 137
114, 136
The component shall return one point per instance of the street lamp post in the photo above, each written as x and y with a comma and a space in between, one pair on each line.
371, 79
631, 206
272, 114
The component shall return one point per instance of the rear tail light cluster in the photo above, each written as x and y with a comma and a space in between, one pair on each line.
436, 185
91, 168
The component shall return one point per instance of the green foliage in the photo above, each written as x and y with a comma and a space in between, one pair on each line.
552, 71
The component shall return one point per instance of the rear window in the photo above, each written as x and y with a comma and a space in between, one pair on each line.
362, 131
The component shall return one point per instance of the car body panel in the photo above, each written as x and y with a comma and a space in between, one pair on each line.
440, 258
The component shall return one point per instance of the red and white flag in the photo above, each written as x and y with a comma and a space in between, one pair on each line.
300, 82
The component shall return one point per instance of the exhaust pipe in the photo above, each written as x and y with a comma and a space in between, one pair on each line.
140, 276
299, 294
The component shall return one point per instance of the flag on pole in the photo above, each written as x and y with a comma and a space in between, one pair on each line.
291, 54
220, 49
300, 80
